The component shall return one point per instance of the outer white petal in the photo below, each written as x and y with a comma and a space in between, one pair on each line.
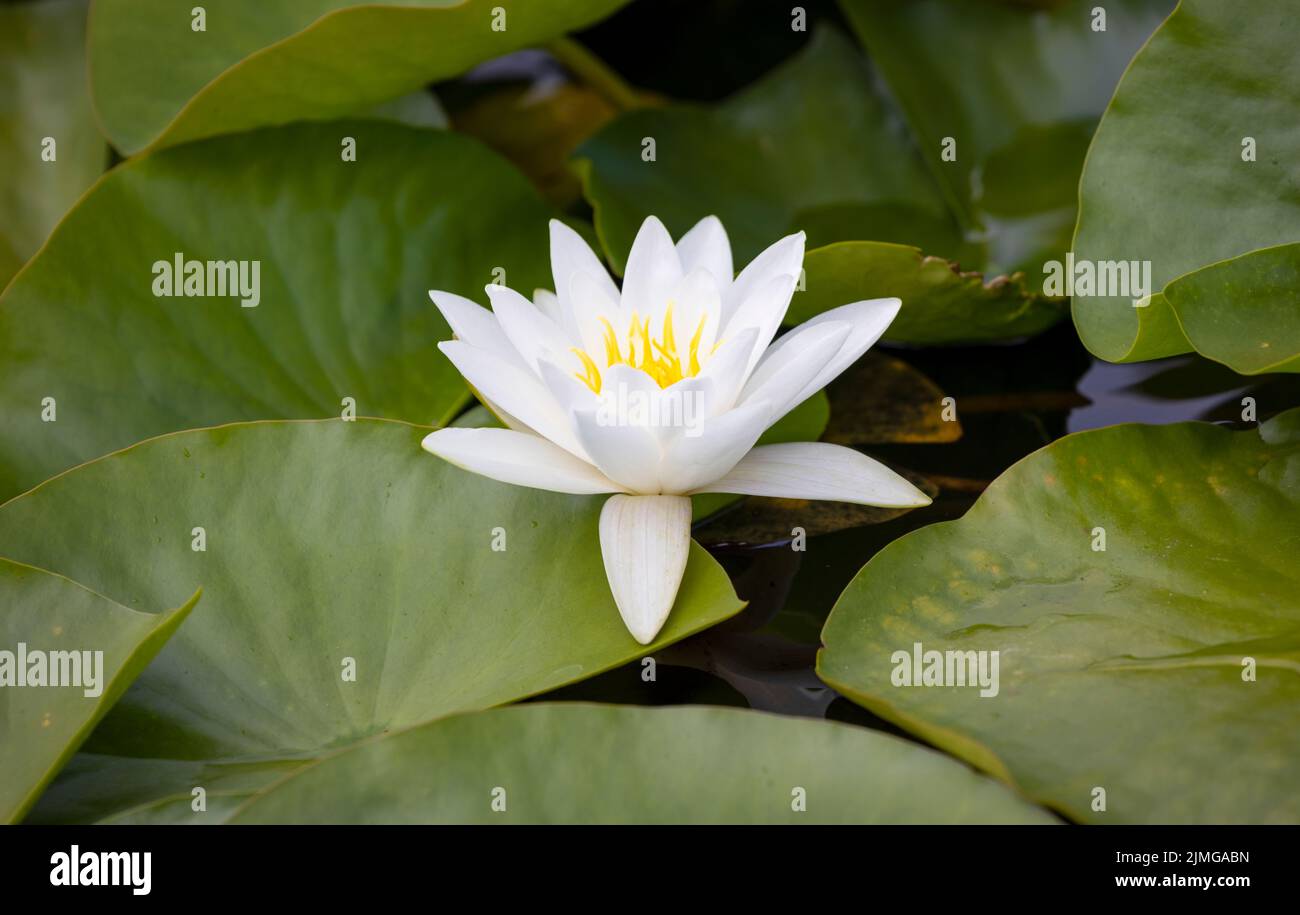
818, 470
653, 271
725, 370
534, 335
474, 324
786, 371
512, 422
645, 541
784, 258
691, 461
763, 310
516, 390
706, 245
869, 319
519, 458
570, 255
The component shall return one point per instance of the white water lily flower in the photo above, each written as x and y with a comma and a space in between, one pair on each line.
658, 392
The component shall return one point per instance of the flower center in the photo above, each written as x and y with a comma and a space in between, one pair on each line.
655, 354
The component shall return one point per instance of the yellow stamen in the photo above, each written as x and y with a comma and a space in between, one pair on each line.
591, 374
657, 357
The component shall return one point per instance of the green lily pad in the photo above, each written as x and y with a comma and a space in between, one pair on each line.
1167, 184
43, 94
1120, 669
1245, 311
573, 763
68, 654
941, 302
416, 109
346, 254
324, 541
1020, 130
157, 82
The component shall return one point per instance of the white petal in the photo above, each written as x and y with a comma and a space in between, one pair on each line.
519, 458
763, 310
817, 470
548, 303
517, 390
869, 319
691, 461
786, 371
653, 272
568, 392
706, 245
645, 541
685, 406
696, 299
784, 258
725, 370
589, 309
474, 324
511, 422
570, 255
534, 335
629, 454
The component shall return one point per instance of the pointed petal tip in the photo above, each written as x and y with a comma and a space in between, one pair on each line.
443, 300
431, 442
645, 541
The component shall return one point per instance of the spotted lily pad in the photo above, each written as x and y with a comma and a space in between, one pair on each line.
66, 655
1138, 585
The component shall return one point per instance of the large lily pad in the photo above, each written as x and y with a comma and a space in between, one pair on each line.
156, 81
325, 541
53, 686
573, 763
1120, 669
347, 252
43, 94
1167, 180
